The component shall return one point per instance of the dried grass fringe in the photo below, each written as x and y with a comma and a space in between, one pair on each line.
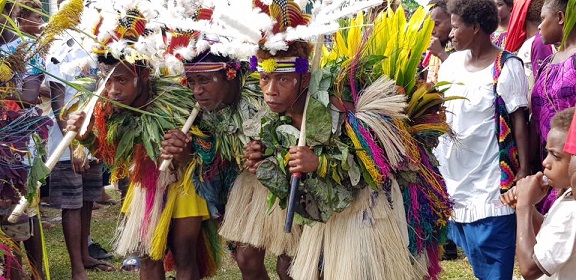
133, 236
245, 219
368, 240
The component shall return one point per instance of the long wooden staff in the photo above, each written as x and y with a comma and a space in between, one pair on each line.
295, 181
20, 209
185, 129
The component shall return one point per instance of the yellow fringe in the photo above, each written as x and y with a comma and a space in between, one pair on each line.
188, 179
43, 242
160, 238
364, 157
411, 148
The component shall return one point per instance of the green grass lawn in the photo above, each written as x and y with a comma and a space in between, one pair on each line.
103, 227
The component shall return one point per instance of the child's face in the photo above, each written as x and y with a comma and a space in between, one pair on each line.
31, 24
503, 11
552, 25
557, 161
123, 86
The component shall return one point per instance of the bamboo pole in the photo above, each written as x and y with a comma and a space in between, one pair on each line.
185, 129
20, 209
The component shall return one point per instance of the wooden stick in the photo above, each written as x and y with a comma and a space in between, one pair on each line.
185, 129
54, 158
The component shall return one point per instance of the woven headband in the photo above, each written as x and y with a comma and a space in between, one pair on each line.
281, 65
231, 68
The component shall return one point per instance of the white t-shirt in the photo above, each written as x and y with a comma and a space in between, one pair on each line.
555, 249
61, 53
525, 53
469, 164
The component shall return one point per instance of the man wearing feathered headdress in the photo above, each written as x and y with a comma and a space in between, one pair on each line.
350, 201
24, 132
143, 98
229, 99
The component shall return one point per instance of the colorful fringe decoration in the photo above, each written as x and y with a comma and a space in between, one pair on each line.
6, 248
508, 151
106, 150
394, 144
428, 209
434, 257
160, 237
9, 252
364, 153
146, 173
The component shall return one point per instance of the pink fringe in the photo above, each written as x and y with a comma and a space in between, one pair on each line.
149, 182
416, 209
376, 151
434, 268
9, 259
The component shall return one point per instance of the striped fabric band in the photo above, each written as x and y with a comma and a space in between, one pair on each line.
199, 67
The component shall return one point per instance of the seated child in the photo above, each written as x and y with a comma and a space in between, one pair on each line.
547, 244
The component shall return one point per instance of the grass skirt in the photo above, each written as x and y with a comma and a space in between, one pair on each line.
368, 240
246, 221
149, 236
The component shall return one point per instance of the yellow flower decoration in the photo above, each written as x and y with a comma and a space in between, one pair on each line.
269, 65
67, 17
5, 72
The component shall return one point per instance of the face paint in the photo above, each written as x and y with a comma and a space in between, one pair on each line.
281, 90
209, 89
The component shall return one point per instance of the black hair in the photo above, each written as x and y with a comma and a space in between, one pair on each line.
534, 11
509, 3
557, 5
207, 56
108, 59
442, 4
28, 7
483, 12
563, 119
8, 8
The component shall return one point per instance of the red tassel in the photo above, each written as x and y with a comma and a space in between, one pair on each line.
105, 151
